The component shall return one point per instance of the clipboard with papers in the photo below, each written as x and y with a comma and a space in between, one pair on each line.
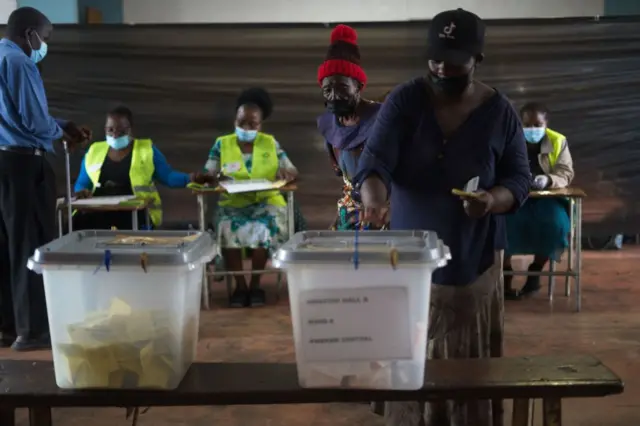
242, 186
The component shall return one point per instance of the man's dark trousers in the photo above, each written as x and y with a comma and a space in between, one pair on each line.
27, 221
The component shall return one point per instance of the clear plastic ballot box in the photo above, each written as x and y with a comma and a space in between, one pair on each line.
123, 306
360, 306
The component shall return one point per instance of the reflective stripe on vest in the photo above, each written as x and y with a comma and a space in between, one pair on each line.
556, 140
140, 174
264, 165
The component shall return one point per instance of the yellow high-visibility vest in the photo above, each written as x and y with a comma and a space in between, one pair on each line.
556, 139
141, 173
264, 165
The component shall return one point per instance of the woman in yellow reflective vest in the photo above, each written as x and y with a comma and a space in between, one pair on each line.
257, 221
541, 226
124, 165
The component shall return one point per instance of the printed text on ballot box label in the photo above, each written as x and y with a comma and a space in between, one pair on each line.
366, 324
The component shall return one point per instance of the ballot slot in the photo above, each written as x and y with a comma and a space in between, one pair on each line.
361, 327
124, 327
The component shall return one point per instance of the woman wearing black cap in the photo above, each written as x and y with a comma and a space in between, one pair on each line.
349, 118
256, 221
434, 134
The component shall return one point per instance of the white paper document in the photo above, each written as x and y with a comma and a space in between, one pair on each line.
103, 201
472, 185
252, 185
366, 324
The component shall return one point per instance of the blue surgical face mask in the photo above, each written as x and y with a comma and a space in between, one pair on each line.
246, 135
38, 55
118, 143
534, 134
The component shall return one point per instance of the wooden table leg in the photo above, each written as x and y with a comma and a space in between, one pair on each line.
521, 412
40, 416
7, 416
552, 412
378, 407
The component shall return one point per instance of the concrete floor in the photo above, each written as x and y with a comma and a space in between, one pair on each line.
608, 327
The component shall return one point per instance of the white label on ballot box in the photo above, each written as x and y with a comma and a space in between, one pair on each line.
367, 324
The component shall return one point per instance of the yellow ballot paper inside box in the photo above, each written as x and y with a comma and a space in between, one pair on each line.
89, 367
158, 370
121, 347
119, 307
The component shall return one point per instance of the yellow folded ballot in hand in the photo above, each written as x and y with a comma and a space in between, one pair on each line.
466, 194
125, 348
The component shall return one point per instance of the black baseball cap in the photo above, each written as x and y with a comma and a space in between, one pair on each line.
455, 36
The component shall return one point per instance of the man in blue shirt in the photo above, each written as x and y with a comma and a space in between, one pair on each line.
432, 135
27, 182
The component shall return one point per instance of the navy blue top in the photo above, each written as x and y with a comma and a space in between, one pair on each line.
345, 143
24, 112
408, 151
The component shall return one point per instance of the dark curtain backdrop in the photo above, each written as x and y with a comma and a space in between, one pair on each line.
181, 83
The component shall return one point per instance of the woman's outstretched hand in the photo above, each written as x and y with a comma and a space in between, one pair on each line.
287, 174
203, 178
375, 207
82, 194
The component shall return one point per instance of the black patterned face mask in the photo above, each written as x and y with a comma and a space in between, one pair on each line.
451, 86
341, 107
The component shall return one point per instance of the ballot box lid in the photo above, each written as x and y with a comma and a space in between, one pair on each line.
375, 247
170, 248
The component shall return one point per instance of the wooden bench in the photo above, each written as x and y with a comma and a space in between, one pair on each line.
29, 384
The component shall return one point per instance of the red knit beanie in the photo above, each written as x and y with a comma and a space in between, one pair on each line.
343, 57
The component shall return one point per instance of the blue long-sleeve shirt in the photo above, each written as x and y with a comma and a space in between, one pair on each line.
407, 149
163, 173
24, 111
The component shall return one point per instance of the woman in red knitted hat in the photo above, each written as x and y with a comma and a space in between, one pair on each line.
349, 118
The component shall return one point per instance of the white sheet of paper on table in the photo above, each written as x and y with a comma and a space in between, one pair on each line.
253, 185
103, 201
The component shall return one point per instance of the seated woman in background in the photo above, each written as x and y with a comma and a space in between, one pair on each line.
542, 225
124, 165
257, 221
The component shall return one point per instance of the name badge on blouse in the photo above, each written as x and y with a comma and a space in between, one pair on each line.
232, 167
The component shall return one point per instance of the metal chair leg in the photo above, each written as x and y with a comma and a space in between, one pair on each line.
278, 286
552, 279
229, 280
572, 246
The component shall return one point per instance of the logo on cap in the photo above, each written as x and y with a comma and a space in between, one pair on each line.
447, 32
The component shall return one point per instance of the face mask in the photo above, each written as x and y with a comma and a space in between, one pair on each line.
341, 107
451, 86
534, 134
118, 143
246, 135
38, 55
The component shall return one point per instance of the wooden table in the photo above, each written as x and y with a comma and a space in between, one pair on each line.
130, 206
31, 384
574, 255
289, 189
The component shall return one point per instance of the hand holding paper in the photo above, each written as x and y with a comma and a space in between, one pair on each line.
288, 175
477, 203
